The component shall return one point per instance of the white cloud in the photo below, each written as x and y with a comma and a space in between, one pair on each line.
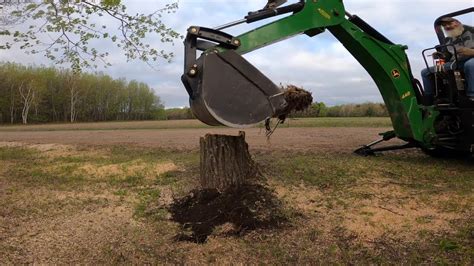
320, 64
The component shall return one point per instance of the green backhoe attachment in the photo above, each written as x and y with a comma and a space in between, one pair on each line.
225, 89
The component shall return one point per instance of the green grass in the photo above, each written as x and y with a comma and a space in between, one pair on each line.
16, 153
168, 178
33, 168
312, 236
148, 197
315, 169
120, 154
129, 181
414, 170
192, 124
418, 171
339, 122
125, 125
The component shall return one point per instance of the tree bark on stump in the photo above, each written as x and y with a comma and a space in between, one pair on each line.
225, 161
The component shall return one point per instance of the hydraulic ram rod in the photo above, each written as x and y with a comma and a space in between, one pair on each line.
231, 24
263, 14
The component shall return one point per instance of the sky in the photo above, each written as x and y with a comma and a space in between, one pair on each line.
319, 64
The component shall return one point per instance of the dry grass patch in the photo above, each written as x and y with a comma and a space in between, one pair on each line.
4, 168
390, 212
40, 147
387, 208
87, 205
75, 238
148, 170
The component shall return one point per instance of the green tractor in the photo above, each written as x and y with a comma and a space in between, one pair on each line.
225, 89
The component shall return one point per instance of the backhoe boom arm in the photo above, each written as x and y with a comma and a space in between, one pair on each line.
385, 62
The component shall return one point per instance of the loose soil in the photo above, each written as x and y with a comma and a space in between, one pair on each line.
236, 211
297, 139
297, 99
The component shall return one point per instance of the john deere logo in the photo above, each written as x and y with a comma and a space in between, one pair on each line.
395, 73
406, 95
324, 13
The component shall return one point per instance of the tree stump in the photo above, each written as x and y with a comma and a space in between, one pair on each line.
225, 161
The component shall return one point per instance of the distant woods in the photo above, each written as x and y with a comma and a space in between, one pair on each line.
315, 110
40, 94
44, 95
319, 109
345, 110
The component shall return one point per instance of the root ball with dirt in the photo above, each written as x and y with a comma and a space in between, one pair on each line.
297, 99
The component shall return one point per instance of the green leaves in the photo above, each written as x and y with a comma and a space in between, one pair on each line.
111, 3
31, 6
97, 97
71, 27
5, 46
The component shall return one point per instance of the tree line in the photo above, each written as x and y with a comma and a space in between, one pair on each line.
45, 94
368, 109
32, 94
318, 109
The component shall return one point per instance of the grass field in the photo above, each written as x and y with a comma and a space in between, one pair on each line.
95, 204
182, 124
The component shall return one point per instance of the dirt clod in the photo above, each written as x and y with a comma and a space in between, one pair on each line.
247, 208
298, 99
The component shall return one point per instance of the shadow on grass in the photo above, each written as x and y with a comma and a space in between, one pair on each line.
247, 208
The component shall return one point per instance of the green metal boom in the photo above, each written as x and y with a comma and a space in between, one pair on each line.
385, 62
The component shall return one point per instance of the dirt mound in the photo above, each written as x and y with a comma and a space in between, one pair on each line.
298, 99
235, 211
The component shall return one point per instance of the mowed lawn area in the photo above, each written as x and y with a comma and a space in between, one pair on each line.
115, 204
